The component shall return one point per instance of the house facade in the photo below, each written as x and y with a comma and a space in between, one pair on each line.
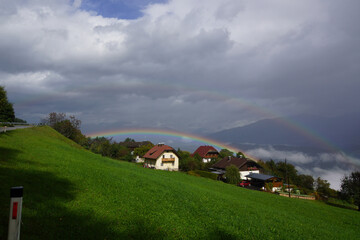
245, 165
162, 157
206, 153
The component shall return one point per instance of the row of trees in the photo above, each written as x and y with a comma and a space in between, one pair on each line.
306, 183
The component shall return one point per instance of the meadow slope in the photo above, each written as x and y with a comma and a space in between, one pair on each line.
71, 193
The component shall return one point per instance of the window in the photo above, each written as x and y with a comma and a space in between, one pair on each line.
171, 156
164, 156
173, 163
162, 164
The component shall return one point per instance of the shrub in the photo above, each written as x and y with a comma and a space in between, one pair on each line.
232, 174
269, 186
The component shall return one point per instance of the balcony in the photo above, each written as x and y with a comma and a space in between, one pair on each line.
168, 159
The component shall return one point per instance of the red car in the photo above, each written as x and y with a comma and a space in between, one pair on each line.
244, 183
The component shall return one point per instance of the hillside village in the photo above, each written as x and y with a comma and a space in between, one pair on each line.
163, 157
206, 161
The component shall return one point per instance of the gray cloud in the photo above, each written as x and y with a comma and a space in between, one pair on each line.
329, 166
196, 66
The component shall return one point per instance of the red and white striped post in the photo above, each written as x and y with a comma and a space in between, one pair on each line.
16, 194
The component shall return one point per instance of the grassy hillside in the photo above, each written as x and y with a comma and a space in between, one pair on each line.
70, 193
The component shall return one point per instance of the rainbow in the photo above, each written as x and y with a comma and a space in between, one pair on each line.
212, 95
170, 133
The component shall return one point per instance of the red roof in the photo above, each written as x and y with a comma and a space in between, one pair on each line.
157, 150
203, 150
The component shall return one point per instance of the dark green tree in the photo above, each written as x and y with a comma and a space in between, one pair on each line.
225, 153
240, 154
140, 151
188, 162
305, 181
232, 174
322, 187
350, 187
18, 120
69, 127
286, 170
7, 113
129, 140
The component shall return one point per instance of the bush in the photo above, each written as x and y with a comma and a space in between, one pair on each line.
232, 174
269, 186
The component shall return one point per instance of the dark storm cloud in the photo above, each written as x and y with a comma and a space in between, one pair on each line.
186, 65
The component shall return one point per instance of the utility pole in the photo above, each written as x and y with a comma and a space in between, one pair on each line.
287, 178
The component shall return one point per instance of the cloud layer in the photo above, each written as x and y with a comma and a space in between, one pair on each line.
195, 66
329, 166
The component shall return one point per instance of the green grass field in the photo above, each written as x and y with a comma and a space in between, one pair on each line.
71, 193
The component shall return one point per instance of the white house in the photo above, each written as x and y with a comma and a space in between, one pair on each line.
162, 157
207, 153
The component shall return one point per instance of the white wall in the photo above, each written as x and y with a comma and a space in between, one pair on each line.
167, 165
206, 160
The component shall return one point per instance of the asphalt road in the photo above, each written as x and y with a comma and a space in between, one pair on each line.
2, 129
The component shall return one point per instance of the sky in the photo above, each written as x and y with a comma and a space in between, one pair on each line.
192, 66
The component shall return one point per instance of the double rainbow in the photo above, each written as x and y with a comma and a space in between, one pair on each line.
167, 133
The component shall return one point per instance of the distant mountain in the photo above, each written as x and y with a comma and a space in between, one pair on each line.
297, 131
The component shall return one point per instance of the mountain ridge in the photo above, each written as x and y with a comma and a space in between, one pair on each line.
300, 130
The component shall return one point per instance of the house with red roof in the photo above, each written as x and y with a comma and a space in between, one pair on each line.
206, 153
162, 157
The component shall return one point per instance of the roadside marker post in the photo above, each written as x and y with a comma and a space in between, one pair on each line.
16, 196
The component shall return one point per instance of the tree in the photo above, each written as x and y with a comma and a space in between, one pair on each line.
322, 187
240, 155
232, 174
225, 153
140, 151
7, 113
350, 187
69, 127
188, 162
305, 181
286, 170
18, 120
54, 118
129, 140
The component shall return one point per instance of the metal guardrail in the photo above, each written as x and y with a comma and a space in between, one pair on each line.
18, 123
8, 126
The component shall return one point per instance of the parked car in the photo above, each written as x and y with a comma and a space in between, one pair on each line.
244, 183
